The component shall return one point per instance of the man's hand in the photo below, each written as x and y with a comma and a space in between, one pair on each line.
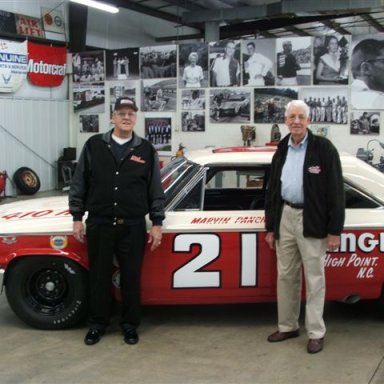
79, 231
155, 236
270, 239
333, 242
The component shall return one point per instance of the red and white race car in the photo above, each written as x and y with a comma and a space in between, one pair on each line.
213, 248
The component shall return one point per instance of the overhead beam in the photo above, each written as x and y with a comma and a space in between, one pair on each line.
296, 31
295, 7
337, 27
371, 21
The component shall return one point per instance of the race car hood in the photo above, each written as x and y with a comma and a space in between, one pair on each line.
36, 216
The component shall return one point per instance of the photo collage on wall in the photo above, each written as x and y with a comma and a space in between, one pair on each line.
246, 81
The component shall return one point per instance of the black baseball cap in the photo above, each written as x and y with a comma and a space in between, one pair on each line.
125, 102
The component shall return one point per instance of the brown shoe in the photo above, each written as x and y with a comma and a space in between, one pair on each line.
315, 345
281, 336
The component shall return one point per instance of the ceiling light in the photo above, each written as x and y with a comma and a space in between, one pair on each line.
97, 5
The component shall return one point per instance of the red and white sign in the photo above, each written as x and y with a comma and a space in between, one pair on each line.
46, 65
30, 26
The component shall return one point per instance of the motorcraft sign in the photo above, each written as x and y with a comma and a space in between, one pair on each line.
13, 65
46, 65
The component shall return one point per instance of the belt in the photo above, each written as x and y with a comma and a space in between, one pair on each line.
294, 206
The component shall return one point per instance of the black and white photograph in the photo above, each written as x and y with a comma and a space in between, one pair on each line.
122, 64
326, 105
229, 105
258, 62
367, 68
88, 67
193, 121
269, 104
293, 61
89, 96
89, 123
121, 89
193, 65
365, 123
224, 63
331, 59
158, 95
158, 62
193, 99
158, 130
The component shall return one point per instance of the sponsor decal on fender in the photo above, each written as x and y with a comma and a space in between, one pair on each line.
58, 242
46, 65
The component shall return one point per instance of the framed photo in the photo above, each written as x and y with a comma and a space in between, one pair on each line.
193, 121
365, 123
89, 123
122, 64
193, 99
89, 96
158, 130
158, 62
120, 89
293, 61
88, 67
269, 104
258, 57
230, 105
193, 65
158, 95
327, 105
331, 59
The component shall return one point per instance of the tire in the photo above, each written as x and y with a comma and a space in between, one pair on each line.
26, 180
47, 292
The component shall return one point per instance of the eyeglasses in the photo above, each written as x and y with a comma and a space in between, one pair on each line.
294, 117
121, 115
379, 58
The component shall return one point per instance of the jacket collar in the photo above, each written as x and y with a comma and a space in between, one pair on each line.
136, 140
283, 145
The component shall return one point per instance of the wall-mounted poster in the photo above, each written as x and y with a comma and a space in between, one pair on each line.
293, 61
122, 64
193, 99
270, 103
224, 63
193, 65
193, 121
258, 62
88, 67
121, 89
158, 95
230, 105
365, 123
367, 67
12, 74
159, 132
331, 59
89, 123
328, 105
89, 96
158, 62
320, 130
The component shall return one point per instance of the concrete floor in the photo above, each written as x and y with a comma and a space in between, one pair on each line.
199, 345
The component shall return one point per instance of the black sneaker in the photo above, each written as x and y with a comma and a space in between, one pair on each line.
130, 336
93, 336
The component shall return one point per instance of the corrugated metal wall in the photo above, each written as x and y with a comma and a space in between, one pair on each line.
33, 133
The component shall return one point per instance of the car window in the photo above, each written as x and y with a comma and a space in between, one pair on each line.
356, 199
226, 189
235, 189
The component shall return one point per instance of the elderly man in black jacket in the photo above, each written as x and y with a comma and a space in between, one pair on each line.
117, 181
304, 217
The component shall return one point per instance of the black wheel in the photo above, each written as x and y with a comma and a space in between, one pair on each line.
26, 180
47, 292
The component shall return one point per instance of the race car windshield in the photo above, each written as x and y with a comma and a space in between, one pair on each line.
175, 174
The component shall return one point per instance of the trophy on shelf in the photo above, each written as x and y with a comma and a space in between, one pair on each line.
248, 133
275, 133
